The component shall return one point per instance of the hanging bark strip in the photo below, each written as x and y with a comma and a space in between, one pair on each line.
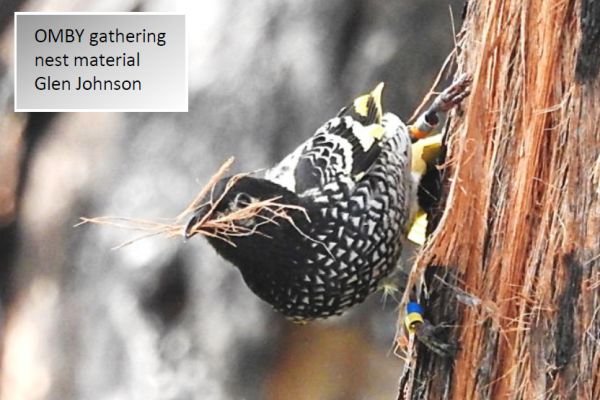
519, 235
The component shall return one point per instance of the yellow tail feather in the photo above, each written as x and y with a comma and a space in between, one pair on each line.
364, 103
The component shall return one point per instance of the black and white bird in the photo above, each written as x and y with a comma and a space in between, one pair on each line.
356, 197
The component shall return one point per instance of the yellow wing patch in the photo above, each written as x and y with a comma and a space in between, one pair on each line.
424, 151
418, 230
368, 135
376, 131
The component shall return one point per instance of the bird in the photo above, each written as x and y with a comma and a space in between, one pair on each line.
352, 197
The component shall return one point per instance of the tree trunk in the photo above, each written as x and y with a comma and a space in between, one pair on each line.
519, 233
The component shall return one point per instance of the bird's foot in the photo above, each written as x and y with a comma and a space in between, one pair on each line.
430, 336
453, 95
427, 333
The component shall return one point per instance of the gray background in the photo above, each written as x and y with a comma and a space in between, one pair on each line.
162, 68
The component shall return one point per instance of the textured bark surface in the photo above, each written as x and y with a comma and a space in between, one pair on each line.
168, 320
519, 235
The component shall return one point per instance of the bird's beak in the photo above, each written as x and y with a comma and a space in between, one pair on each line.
188, 230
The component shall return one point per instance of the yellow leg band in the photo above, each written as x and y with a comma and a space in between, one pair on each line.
411, 319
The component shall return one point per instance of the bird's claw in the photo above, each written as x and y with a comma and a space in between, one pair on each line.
428, 334
444, 102
454, 94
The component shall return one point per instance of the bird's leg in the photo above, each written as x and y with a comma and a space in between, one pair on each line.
429, 335
426, 332
444, 102
426, 149
424, 154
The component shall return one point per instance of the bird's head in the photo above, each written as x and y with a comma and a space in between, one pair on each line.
235, 197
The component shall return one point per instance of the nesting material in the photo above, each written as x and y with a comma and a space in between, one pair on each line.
212, 224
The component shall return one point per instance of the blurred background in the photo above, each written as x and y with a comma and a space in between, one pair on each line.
164, 319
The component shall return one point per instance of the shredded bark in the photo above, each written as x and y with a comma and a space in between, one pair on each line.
520, 224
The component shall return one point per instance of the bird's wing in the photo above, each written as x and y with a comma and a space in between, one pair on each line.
343, 149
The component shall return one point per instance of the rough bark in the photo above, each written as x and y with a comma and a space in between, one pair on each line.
519, 233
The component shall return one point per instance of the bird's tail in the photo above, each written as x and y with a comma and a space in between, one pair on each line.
368, 108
